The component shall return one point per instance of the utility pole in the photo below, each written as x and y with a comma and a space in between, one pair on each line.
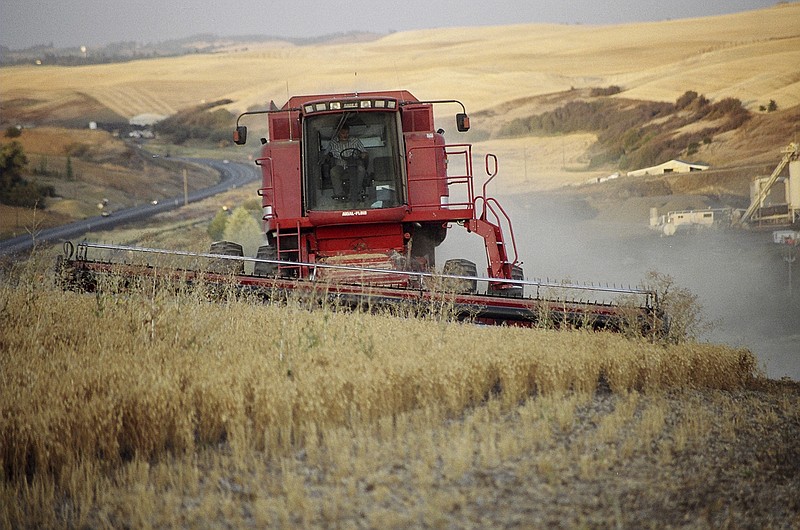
185, 188
789, 258
790, 243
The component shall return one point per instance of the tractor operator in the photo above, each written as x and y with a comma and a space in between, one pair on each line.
350, 160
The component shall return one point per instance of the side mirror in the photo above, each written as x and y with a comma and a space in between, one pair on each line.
240, 135
462, 122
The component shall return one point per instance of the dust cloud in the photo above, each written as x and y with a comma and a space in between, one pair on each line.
740, 277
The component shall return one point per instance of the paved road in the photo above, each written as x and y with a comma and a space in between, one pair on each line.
232, 175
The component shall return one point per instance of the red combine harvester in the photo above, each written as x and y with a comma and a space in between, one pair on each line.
357, 192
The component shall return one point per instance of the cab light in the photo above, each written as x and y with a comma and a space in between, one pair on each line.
366, 104
336, 105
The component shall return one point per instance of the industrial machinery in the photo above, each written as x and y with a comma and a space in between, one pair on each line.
786, 209
774, 201
357, 192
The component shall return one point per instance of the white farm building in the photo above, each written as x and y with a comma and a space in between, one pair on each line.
673, 166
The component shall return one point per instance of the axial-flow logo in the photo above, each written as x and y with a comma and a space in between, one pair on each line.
354, 213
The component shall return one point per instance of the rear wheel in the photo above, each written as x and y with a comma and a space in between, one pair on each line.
460, 267
517, 274
513, 291
226, 266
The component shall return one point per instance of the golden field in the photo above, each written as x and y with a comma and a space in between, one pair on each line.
751, 55
155, 409
500, 73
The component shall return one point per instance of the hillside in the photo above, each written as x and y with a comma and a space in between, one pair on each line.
157, 408
751, 56
500, 73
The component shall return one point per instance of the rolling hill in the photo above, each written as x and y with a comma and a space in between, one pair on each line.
502, 74
752, 56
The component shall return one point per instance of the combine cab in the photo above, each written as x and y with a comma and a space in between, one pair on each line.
357, 192
364, 180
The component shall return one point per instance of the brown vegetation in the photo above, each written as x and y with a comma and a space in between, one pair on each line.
633, 134
84, 167
161, 409
202, 123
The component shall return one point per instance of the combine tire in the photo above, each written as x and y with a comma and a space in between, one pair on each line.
460, 267
515, 291
517, 274
226, 266
266, 269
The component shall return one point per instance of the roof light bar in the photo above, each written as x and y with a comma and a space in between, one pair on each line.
323, 106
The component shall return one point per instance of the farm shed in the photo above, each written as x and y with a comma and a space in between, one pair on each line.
673, 166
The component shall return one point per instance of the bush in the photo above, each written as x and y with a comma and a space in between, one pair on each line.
685, 100
635, 133
15, 190
216, 228
608, 91
686, 320
244, 229
197, 124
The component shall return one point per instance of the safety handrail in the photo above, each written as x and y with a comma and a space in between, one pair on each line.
451, 150
270, 187
487, 206
487, 203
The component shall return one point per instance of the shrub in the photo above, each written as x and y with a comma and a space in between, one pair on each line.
15, 190
685, 100
608, 91
687, 321
244, 229
197, 124
216, 228
635, 133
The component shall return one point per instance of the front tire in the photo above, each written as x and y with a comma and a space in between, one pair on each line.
226, 266
266, 269
460, 267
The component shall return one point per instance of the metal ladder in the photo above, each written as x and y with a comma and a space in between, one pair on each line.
290, 253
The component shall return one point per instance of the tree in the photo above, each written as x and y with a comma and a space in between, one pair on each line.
772, 107
242, 228
685, 100
12, 162
15, 190
216, 228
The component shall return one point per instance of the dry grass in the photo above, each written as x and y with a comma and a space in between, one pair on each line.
750, 55
157, 409
103, 167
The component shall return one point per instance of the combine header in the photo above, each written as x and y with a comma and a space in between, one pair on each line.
357, 192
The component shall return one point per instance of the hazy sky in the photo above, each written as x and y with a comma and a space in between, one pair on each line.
68, 23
